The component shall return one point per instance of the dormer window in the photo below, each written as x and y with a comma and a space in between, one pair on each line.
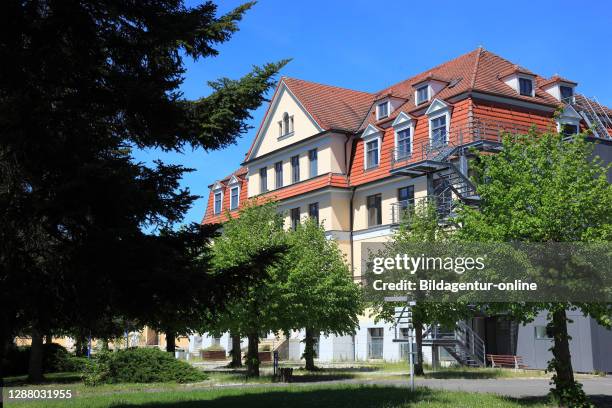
382, 110
567, 93
371, 147
218, 202
234, 197
404, 128
422, 94
234, 185
525, 86
561, 89
285, 126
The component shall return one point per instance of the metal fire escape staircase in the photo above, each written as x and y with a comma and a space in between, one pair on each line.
451, 184
462, 343
595, 115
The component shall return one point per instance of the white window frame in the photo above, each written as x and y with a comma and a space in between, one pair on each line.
285, 125
378, 105
237, 187
447, 125
416, 94
569, 116
438, 109
215, 192
563, 85
408, 124
370, 133
567, 121
365, 152
518, 84
310, 163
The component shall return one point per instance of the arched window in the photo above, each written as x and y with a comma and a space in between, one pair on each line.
286, 127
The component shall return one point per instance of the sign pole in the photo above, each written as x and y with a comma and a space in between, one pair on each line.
411, 361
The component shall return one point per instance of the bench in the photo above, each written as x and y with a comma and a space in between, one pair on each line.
506, 360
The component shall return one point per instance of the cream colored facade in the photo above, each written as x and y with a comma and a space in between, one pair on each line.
335, 204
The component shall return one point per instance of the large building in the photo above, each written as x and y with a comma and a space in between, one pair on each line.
354, 159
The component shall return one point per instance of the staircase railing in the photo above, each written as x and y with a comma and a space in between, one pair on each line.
461, 342
595, 115
403, 211
471, 342
478, 130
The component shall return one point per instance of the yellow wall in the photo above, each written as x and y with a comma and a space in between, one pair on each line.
303, 125
388, 190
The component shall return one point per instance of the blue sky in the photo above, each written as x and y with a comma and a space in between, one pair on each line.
368, 45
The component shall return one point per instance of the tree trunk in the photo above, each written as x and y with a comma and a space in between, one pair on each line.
567, 392
236, 352
4, 344
48, 339
35, 367
418, 335
80, 346
309, 351
170, 341
253, 355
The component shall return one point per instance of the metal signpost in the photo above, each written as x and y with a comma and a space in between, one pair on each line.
403, 316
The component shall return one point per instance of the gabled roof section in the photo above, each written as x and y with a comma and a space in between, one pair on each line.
402, 117
233, 180
570, 112
515, 69
330, 107
371, 130
437, 105
556, 79
238, 174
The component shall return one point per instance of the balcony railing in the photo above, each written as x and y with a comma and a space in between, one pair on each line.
403, 211
478, 130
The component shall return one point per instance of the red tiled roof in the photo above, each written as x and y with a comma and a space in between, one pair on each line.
332, 107
556, 78
238, 173
478, 70
514, 69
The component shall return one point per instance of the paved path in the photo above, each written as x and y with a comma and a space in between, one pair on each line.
600, 387
512, 387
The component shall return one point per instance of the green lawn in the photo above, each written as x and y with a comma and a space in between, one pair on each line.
291, 396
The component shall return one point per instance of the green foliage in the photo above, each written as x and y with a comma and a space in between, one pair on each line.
77, 208
55, 359
140, 365
542, 188
319, 291
253, 243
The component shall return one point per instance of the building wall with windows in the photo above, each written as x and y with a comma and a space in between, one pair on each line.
361, 139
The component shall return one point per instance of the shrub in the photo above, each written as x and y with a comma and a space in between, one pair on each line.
55, 359
140, 365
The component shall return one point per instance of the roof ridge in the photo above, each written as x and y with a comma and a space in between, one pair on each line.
476, 65
429, 70
326, 85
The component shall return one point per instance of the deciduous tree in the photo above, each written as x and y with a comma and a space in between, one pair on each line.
319, 292
544, 188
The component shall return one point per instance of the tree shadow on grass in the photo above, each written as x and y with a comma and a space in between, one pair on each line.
355, 397
52, 378
470, 375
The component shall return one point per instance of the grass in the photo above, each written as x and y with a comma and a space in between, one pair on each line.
293, 396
